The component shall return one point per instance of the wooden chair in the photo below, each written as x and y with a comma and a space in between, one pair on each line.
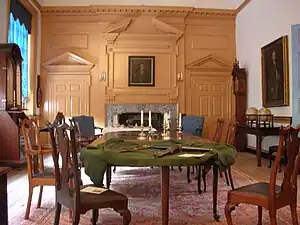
230, 139
71, 196
203, 171
37, 175
219, 130
269, 195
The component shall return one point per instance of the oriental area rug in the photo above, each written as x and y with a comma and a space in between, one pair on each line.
142, 186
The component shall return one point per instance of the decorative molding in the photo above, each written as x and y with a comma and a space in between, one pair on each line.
68, 62
117, 30
211, 63
138, 10
166, 28
227, 13
119, 26
242, 6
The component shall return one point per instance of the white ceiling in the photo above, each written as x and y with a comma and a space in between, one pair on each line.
218, 4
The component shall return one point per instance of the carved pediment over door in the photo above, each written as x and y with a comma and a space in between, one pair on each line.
210, 63
68, 62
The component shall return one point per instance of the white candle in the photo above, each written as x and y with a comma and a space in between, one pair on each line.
179, 122
142, 118
150, 124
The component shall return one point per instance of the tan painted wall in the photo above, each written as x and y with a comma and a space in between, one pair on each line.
183, 40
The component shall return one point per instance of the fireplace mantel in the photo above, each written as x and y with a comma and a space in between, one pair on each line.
115, 109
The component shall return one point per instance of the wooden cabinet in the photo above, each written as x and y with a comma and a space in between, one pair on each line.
11, 114
239, 80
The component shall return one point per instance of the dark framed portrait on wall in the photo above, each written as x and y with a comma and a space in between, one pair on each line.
141, 71
275, 73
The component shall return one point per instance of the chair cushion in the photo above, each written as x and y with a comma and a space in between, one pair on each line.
109, 198
252, 194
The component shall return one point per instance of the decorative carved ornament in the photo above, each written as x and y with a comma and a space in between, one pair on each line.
115, 29
154, 10
68, 62
210, 63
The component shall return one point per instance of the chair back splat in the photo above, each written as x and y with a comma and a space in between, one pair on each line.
219, 130
69, 172
289, 184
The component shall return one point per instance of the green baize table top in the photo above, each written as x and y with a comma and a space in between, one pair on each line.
122, 152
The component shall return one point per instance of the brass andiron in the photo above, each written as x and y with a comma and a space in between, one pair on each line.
166, 132
142, 135
179, 132
150, 133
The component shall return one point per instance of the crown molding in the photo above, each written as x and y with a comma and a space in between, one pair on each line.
129, 10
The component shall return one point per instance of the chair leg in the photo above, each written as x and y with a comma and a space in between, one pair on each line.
199, 179
228, 209
272, 214
115, 168
40, 197
259, 215
230, 178
180, 168
125, 213
294, 214
226, 178
204, 179
188, 174
270, 153
28, 203
75, 218
193, 170
57, 213
95, 216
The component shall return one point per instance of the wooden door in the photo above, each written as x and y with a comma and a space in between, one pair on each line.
70, 96
210, 96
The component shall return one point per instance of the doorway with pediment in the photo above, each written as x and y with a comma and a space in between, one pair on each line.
208, 91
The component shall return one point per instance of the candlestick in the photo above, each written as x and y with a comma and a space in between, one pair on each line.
179, 120
150, 119
142, 118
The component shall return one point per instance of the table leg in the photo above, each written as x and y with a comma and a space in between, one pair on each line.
108, 176
3, 202
165, 182
258, 150
215, 192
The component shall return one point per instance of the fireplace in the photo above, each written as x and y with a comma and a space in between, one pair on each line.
130, 114
134, 119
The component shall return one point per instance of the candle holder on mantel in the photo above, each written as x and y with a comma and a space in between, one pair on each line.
142, 135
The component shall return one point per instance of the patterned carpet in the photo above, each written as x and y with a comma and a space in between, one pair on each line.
142, 186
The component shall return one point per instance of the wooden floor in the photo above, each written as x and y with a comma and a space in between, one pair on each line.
18, 183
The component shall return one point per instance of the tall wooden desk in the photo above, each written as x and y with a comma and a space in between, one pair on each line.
3, 195
259, 132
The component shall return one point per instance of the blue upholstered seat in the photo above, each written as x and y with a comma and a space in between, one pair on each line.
86, 125
193, 125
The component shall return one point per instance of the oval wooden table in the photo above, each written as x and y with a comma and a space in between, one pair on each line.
124, 149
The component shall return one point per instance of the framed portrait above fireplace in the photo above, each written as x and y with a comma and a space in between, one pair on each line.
275, 73
141, 71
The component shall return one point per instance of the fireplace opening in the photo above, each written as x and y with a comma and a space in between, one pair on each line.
133, 119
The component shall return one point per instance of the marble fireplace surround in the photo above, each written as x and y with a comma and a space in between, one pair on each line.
115, 109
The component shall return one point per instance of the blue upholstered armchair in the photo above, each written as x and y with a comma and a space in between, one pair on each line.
193, 125
85, 128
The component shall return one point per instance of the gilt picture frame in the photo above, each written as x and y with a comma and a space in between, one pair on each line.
275, 73
141, 71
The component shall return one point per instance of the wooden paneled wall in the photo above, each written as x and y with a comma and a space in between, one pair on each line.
199, 44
